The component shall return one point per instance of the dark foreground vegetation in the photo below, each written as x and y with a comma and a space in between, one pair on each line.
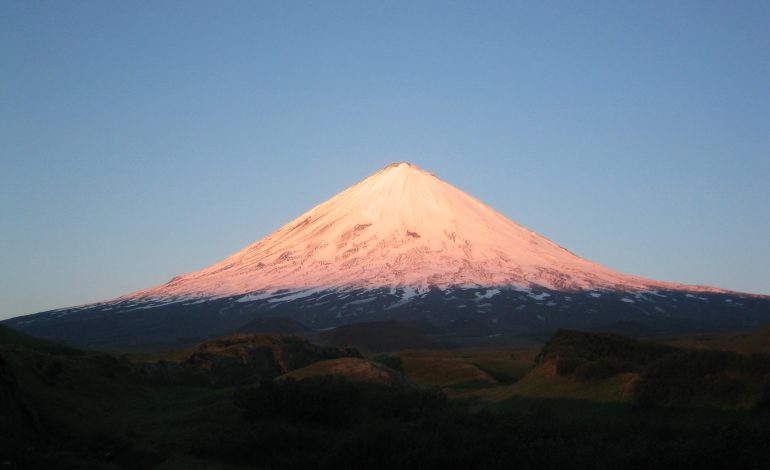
235, 404
667, 376
334, 423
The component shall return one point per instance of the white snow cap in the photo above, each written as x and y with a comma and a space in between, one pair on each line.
402, 226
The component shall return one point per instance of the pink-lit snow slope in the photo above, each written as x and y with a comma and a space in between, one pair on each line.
400, 227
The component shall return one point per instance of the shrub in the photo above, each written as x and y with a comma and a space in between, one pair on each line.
567, 365
600, 369
705, 377
394, 362
334, 400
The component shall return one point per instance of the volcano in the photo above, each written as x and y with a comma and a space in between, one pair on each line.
404, 228
401, 244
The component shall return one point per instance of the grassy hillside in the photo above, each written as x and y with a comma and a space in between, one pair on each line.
659, 375
596, 368
583, 400
97, 410
87, 412
10, 337
757, 342
353, 369
754, 342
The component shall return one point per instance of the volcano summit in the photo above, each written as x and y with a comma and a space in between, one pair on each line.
401, 227
401, 244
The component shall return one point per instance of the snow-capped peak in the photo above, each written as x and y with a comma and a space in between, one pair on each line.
401, 226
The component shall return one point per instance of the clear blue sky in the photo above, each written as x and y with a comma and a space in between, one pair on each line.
140, 140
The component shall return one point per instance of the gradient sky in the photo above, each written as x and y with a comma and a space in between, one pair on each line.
141, 140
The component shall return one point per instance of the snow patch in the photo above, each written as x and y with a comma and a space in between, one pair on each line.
294, 296
408, 292
695, 297
542, 296
255, 296
362, 301
486, 295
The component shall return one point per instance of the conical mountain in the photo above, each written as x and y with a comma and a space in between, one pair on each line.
401, 244
400, 227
